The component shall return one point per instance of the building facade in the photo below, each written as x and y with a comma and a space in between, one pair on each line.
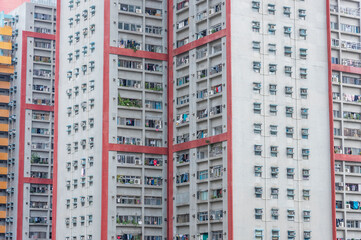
344, 48
192, 120
31, 126
6, 71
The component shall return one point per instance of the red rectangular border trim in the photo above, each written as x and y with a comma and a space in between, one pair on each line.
170, 123
137, 149
199, 42
342, 68
39, 107
138, 53
330, 103
38, 180
200, 142
56, 109
23, 107
348, 158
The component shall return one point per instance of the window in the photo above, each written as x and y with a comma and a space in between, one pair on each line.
303, 53
257, 108
258, 192
288, 51
273, 89
304, 93
274, 172
287, 31
256, 26
272, 69
306, 215
272, 48
303, 33
288, 91
304, 133
304, 113
288, 71
274, 151
274, 193
256, 46
272, 29
306, 194
258, 213
290, 214
258, 150
258, 234
307, 235
289, 152
257, 67
289, 112
303, 73
258, 171
273, 109
274, 213
256, 6
289, 132
257, 87
257, 128
291, 235
306, 174
290, 173
273, 130
287, 11
275, 234
302, 14
271, 9
290, 193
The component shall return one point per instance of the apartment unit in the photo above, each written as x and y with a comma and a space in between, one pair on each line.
172, 123
31, 127
6, 70
345, 62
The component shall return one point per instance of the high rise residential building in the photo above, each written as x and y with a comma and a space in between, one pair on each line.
344, 48
194, 119
30, 148
6, 71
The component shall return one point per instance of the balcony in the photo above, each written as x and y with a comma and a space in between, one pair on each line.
4, 142
3, 156
3, 185
4, 99
4, 85
3, 200
3, 171
5, 45
2, 214
5, 60
4, 113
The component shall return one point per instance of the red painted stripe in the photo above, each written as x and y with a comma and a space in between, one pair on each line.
199, 42
20, 213
105, 126
56, 109
137, 149
200, 142
342, 68
229, 121
170, 123
348, 158
138, 53
39, 107
23, 107
330, 103
38, 180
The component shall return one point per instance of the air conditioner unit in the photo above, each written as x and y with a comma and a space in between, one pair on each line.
138, 10
138, 162
340, 184
347, 170
137, 181
348, 206
342, 224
